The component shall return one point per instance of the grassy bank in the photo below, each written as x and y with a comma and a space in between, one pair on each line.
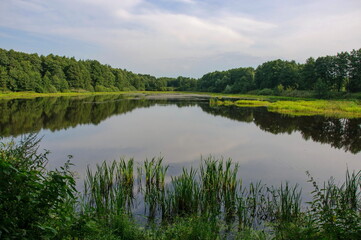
206, 203
329, 108
23, 95
13, 95
280, 104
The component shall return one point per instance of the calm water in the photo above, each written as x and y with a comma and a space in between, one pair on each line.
270, 147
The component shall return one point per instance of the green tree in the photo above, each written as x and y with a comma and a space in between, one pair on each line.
78, 76
3, 78
271, 74
354, 84
308, 75
325, 68
342, 68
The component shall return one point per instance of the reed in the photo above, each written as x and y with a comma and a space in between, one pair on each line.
251, 205
216, 194
211, 203
211, 186
286, 203
154, 192
109, 190
185, 194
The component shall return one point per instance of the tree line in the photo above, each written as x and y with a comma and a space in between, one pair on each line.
31, 72
339, 73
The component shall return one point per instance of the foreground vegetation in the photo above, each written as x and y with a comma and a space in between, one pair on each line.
340, 109
208, 203
337, 76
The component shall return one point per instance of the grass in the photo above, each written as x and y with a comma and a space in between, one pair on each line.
328, 108
206, 203
14, 95
284, 105
23, 95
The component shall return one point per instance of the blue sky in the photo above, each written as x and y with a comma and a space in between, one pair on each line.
181, 37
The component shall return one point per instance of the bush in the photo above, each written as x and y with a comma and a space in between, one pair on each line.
187, 229
266, 92
321, 89
34, 202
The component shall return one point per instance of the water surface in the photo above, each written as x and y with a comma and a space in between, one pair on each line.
268, 146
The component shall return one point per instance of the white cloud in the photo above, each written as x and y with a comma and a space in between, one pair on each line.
138, 35
186, 1
318, 35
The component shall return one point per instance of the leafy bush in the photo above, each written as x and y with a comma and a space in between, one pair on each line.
321, 89
33, 200
187, 229
266, 92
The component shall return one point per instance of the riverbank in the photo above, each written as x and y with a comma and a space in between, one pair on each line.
330, 108
281, 104
11, 95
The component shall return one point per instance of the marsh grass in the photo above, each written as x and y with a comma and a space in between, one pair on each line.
330, 108
154, 187
208, 203
109, 190
215, 194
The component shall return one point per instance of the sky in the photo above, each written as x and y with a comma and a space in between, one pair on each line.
181, 37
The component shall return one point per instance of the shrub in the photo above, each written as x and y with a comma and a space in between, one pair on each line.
321, 89
32, 198
266, 92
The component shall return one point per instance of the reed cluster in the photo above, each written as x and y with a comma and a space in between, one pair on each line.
216, 194
210, 202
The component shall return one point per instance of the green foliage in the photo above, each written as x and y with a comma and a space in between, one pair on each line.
187, 229
36, 203
266, 92
321, 89
33, 200
335, 210
30, 72
238, 80
273, 73
354, 83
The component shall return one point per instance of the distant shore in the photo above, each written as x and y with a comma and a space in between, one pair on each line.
285, 105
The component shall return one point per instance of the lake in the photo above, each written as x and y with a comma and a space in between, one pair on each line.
268, 146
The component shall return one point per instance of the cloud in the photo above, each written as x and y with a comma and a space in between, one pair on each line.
186, 1
143, 35
318, 35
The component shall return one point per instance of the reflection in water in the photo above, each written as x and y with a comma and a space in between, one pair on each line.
339, 133
268, 146
20, 116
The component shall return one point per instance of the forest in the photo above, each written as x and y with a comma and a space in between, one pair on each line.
340, 73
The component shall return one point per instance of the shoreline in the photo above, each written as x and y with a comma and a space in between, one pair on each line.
344, 108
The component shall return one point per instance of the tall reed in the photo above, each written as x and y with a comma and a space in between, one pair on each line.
154, 192
109, 190
185, 194
216, 194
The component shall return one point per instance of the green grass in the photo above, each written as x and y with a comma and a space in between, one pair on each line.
208, 203
329, 108
284, 105
15, 95
11, 95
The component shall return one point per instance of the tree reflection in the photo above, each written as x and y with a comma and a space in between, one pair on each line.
20, 116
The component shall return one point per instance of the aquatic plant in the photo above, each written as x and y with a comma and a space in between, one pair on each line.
209, 203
